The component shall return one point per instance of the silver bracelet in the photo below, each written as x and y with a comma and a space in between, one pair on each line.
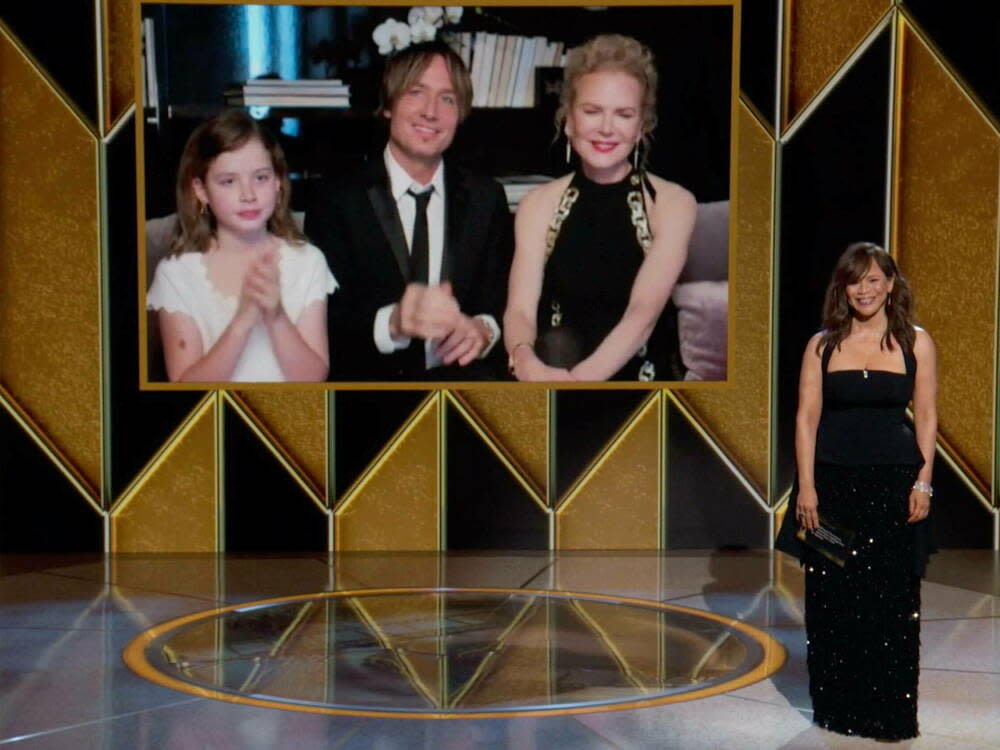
922, 486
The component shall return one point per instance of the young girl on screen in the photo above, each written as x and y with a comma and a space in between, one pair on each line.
242, 295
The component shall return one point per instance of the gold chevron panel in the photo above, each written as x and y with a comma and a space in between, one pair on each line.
173, 506
617, 503
738, 417
518, 419
819, 37
396, 505
945, 228
50, 341
119, 58
296, 420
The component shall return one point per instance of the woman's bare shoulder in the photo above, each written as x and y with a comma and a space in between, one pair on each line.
548, 192
922, 341
670, 192
812, 347
541, 202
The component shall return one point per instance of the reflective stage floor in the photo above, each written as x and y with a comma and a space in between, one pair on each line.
683, 647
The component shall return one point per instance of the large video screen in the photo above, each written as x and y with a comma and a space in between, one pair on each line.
353, 196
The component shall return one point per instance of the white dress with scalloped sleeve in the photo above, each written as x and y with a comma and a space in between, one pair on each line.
181, 284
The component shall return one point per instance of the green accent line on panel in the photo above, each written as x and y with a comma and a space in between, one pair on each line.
104, 328
331, 466
551, 494
442, 469
664, 464
772, 482
220, 471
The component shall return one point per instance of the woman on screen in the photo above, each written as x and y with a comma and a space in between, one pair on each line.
864, 477
242, 296
599, 250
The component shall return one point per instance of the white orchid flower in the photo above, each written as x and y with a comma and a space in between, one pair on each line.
433, 14
422, 31
391, 35
453, 13
415, 15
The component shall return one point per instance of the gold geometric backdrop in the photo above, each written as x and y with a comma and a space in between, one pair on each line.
63, 390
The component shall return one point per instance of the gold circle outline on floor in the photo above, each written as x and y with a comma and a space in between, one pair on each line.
772, 657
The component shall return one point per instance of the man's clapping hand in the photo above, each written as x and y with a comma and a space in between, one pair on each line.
432, 312
425, 312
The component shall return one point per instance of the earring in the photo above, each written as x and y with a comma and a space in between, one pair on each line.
204, 208
569, 151
635, 156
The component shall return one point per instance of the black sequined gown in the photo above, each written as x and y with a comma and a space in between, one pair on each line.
863, 620
589, 276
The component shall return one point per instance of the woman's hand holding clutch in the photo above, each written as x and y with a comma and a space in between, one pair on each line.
807, 508
527, 367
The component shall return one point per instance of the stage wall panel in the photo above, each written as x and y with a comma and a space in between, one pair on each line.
885, 128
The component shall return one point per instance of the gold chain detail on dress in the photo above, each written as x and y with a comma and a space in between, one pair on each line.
637, 208
569, 197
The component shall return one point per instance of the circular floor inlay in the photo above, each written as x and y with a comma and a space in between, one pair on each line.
454, 653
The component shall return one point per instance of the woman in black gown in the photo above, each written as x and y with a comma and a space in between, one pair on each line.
860, 464
598, 251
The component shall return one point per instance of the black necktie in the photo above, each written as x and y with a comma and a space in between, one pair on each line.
420, 262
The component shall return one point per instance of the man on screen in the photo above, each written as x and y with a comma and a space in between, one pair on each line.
421, 248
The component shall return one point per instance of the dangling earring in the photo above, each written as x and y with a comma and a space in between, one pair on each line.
635, 157
204, 208
569, 151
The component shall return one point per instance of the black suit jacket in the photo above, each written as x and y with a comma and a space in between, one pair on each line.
353, 220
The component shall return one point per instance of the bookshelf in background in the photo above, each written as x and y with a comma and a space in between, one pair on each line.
502, 66
503, 135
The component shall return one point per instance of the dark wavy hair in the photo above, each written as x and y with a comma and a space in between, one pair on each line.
837, 312
227, 131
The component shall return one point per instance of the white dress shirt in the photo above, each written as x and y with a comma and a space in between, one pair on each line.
400, 183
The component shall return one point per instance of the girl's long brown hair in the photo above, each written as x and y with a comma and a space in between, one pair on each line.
837, 313
225, 132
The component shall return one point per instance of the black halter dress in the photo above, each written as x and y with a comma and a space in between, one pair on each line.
595, 253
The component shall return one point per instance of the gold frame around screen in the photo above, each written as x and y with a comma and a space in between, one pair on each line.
734, 112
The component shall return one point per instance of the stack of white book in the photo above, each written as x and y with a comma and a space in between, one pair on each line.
503, 66
275, 92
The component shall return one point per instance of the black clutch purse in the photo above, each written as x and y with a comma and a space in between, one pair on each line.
832, 539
